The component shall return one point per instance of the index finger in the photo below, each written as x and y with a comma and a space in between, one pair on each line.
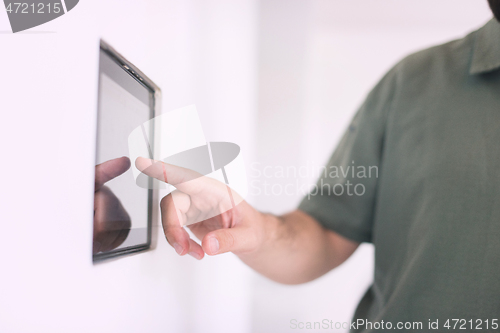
174, 175
108, 170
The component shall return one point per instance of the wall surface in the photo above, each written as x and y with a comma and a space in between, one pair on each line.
198, 52
281, 78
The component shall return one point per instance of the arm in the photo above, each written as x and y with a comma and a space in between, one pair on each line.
297, 249
291, 249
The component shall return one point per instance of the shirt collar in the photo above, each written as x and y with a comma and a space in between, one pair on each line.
486, 49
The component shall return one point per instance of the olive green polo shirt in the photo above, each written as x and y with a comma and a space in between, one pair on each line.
430, 131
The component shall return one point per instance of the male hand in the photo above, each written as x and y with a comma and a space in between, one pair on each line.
111, 221
225, 226
293, 248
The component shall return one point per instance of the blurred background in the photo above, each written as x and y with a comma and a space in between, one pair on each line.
281, 78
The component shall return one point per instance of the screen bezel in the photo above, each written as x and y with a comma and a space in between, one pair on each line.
155, 97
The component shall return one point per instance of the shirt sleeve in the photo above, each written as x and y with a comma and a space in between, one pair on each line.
344, 197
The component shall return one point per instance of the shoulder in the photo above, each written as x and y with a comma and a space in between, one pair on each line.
422, 74
452, 58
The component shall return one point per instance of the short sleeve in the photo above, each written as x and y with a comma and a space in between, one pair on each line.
344, 197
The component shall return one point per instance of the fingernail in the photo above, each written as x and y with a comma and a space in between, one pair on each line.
195, 255
213, 244
178, 248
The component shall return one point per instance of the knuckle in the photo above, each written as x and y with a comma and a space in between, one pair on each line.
165, 201
170, 199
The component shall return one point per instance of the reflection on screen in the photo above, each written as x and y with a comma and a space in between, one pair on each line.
124, 104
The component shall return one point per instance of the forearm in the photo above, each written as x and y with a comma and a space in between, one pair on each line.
295, 248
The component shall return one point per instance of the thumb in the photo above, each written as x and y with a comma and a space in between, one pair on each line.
236, 240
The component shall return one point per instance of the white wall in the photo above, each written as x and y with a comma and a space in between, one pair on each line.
201, 52
318, 59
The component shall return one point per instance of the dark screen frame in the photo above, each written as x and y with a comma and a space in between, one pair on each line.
154, 103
